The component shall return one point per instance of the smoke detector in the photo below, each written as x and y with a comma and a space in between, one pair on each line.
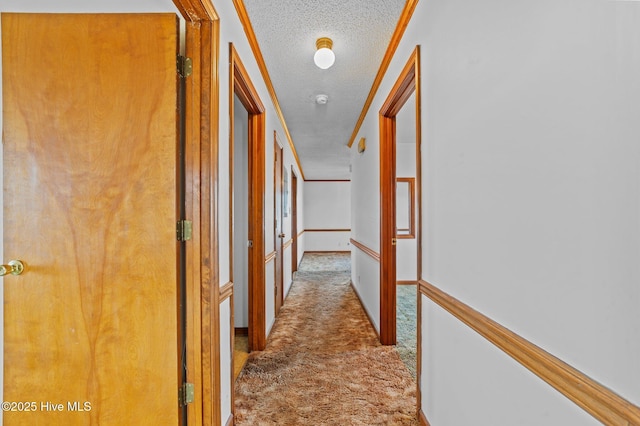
322, 99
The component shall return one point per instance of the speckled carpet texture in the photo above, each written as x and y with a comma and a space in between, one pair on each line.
323, 364
407, 325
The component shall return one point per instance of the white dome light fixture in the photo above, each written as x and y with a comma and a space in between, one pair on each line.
322, 99
324, 56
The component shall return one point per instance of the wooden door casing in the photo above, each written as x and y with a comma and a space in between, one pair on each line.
278, 219
294, 222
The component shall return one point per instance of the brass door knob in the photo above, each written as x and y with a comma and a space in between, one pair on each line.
14, 267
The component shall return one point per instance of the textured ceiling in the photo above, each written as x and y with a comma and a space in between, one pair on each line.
286, 31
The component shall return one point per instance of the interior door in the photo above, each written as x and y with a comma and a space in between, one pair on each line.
90, 204
294, 222
279, 233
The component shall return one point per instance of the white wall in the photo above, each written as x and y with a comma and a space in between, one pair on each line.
365, 222
226, 355
407, 248
327, 209
531, 203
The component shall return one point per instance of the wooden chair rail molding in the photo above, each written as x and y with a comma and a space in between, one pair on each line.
270, 257
603, 404
367, 250
327, 230
226, 291
287, 244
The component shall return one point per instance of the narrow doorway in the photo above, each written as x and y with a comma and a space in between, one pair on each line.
406, 232
240, 234
403, 89
278, 216
246, 204
407, 87
294, 222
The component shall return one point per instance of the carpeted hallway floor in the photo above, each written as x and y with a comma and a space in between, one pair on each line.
323, 364
407, 325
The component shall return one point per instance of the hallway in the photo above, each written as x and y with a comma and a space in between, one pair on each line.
323, 364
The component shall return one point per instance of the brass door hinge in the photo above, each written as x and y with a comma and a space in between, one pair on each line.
184, 230
186, 394
185, 66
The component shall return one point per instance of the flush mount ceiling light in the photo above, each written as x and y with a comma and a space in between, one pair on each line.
324, 56
322, 99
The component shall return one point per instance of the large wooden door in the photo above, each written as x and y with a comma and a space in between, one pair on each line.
90, 203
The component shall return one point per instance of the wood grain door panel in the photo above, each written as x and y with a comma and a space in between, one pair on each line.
90, 206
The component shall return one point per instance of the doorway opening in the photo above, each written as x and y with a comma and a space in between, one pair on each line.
239, 214
251, 244
406, 87
294, 222
278, 216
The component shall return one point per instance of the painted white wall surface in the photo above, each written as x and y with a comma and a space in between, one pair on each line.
485, 400
240, 215
327, 206
406, 248
270, 302
365, 277
287, 275
406, 262
530, 185
226, 354
365, 220
302, 241
327, 241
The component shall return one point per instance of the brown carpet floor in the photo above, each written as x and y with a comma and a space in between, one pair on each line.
323, 364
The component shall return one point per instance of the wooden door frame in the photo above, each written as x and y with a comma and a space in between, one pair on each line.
294, 222
277, 240
240, 85
406, 84
202, 177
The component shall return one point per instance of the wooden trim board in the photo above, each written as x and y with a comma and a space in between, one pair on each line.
372, 253
241, 85
268, 258
226, 292
423, 418
405, 17
202, 111
327, 230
